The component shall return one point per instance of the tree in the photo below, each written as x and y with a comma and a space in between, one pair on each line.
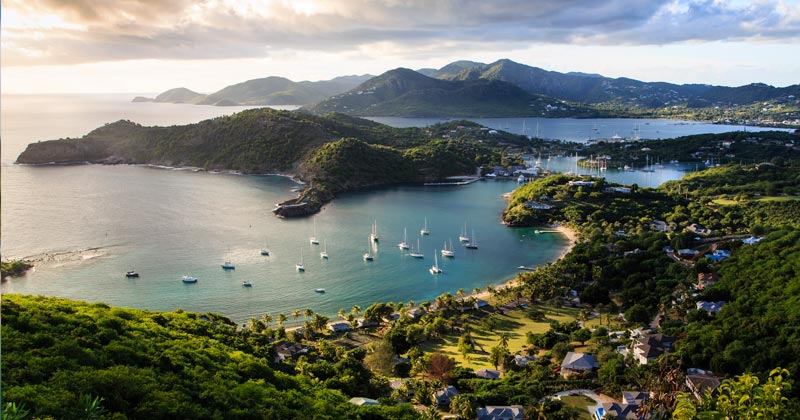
296, 314
583, 335
497, 356
341, 313
440, 366
356, 310
281, 319
560, 350
266, 319
379, 357
461, 405
637, 314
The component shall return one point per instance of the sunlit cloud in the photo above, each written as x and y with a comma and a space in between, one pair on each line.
46, 32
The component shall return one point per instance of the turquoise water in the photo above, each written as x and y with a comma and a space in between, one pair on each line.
169, 223
87, 225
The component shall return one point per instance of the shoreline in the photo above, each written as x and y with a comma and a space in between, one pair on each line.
572, 238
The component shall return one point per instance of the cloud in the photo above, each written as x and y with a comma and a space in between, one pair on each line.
84, 31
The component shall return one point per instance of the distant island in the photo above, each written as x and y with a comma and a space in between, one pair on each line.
332, 153
509, 89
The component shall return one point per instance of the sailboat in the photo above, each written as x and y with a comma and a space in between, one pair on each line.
374, 235
435, 269
368, 256
404, 244
265, 250
299, 266
417, 253
313, 240
227, 265
473, 243
324, 253
463, 237
448, 252
424, 230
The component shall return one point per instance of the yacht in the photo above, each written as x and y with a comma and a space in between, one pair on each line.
404, 244
300, 266
265, 250
424, 231
448, 252
473, 243
319, 290
227, 265
463, 237
416, 253
188, 279
374, 235
324, 253
313, 240
131, 274
368, 255
247, 283
435, 269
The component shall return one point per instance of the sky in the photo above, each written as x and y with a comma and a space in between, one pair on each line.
148, 46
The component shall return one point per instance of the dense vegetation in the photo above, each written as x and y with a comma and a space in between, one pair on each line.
59, 356
14, 268
269, 141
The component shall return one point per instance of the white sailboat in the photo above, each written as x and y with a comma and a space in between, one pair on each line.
324, 253
473, 243
417, 253
435, 269
265, 250
313, 240
448, 252
300, 266
374, 235
368, 256
463, 237
424, 230
404, 244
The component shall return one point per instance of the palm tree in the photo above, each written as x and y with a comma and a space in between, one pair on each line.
461, 293
410, 303
296, 314
356, 310
476, 291
281, 319
340, 314
266, 319
308, 313
319, 322
503, 340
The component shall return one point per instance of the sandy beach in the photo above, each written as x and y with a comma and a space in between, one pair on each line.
572, 238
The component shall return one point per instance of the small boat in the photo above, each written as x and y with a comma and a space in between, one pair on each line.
313, 240
227, 265
473, 243
448, 252
188, 279
368, 256
416, 253
299, 266
525, 267
265, 250
131, 274
324, 253
435, 269
424, 231
247, 283
319, 290
463, 237
404, 244
374, 235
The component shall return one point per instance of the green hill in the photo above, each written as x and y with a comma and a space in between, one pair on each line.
404, 92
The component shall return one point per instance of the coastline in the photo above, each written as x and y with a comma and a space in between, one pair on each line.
572, 238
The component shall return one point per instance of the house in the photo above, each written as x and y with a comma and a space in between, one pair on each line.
650, 347
578, 363
521, 360
625, 409
752, 240
443, 397
416, 312
706, 280
398, 383
501, 412
659, 226
619, 190
480, 303
701, 382
363, 323
719, 254
710, 307
288, 350
581, 183
538, 206
687, 253
488, 374
361, 401
339, 326
698, 229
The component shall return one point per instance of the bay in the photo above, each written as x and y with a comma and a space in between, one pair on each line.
87, 225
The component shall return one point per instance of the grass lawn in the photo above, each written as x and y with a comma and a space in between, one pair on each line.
515, 323
600, 321
729, 202
581, 402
